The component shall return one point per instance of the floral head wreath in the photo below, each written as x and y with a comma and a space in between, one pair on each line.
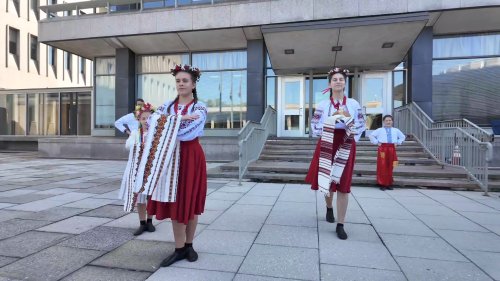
336, 70
187, 68
147, 107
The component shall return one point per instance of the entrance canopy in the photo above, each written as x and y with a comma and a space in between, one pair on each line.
373, 43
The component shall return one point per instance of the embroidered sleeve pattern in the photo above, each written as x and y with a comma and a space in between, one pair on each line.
190, 129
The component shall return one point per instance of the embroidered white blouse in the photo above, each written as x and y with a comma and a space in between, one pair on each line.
387, 135
325, 108
125, 121
189, 129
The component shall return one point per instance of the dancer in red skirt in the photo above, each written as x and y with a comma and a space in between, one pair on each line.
192, 181
338, 104
387, 139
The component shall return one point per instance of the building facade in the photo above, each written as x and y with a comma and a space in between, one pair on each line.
44, 91
442, 55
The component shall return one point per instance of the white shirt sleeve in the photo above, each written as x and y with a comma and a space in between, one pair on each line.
375, 135
191, 129
359, 119
400, 136
125, 120
318, 118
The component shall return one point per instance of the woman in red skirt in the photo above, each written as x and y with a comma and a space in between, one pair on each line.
338, 104
192, 181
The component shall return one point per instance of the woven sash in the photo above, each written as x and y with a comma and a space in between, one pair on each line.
129, 176
331, 167
158, 173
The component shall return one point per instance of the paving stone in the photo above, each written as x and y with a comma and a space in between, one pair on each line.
226, 196
100, 189
128, 221
208, 216
342, 273
89, 203
29, 243
94, 273
217, 205
75, 225
257, 200
17, 192
22, 199
50, 264
404, 227
297, 195
137, 255
6, 205
107, 211
475, 241
248, 277
469, 207
233, 188
224, 242
6, 215
487, 261
483, 218
54, 214
369, 192
242, 218
423, 269
55, 191
424, 201
213, 262
15, 227
356, 232
437, 210
6, 260
293, 214
451, 223
351, 217
176, 273
291, 236
36, 206
109, 195
300, 263
101, 238
346, 252
267, 189
421, 247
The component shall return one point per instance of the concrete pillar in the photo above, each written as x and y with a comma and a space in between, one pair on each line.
420, 71
124, 83
256, 97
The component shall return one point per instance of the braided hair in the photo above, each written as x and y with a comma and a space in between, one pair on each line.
195, 77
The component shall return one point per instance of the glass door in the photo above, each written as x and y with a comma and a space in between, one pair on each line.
375, 99
291, 117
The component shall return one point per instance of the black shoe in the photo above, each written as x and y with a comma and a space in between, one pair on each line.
140, 230
191, 254
382, 188
341, 232
174, 257
150, 227
389, 188
329, 215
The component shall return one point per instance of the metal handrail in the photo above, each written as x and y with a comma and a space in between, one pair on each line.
454, 142
252, 138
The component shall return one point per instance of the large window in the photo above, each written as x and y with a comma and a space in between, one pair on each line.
466, 78
45, 113
222, 85
14, 42
105, 93
34, 48
13, 114
399, 90
52, 56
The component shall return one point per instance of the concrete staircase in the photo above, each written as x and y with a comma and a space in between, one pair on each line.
287, 160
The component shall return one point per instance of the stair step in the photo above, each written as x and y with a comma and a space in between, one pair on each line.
358, 153
361, 159
371, 180
273, 147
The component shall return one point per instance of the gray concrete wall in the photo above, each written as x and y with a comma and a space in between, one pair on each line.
496, 152
420, 71
256, 96
124, 84
236, 14
108, 148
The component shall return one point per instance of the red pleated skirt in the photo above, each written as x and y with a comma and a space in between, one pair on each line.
386, 161
346, 179
191, 189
